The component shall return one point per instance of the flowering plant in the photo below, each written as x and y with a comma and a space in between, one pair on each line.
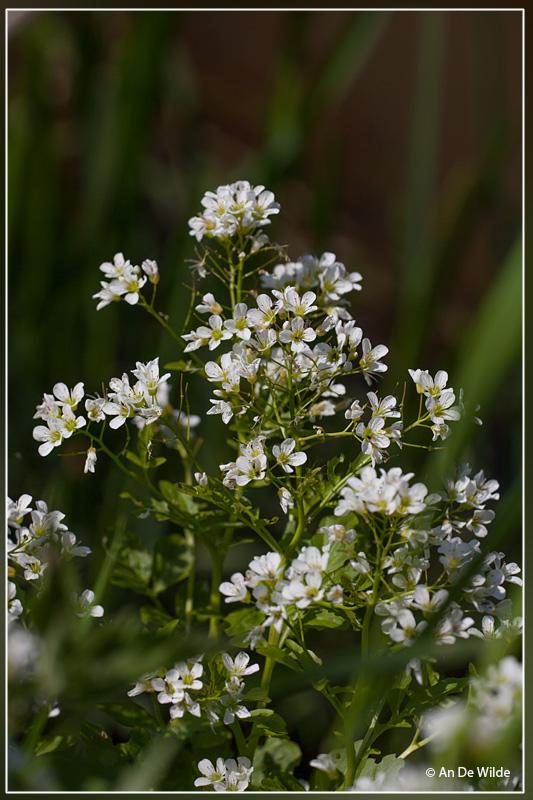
344, 541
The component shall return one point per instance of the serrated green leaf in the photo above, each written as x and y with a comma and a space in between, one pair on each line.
388, 767
129, 714
431, 696
243, 620
172, 562
275, 753
278, 780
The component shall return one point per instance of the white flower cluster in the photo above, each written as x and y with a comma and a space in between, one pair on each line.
388, 493
144, 403
252, 463
279, 590
57, 410
29, 545
236, 208
125, 280
439, 400
227, 776
463, 515
146, 399
173, 687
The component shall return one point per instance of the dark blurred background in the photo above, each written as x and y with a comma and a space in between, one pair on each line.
393, 139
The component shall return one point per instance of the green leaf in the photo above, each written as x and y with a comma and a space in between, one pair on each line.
269, 722
276, 654
139, 740
129, 714
49, 744
128, 580
98, 744
172, 562
178, 498
182, 366
280, 781
241, 621
134, 458
431, 696
275, 753
256, 695
389, 767
149, 614
325, 619
306, 657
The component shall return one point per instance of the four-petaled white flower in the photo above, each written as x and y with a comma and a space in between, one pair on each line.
286, 458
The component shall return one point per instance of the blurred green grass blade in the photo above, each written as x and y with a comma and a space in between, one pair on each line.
345, 61
418, 244
293, 106
122, 116
491, 346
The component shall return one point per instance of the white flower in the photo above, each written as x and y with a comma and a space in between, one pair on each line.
408, 630
250, 469
150, 268
115, 269
360, 564
297, 334
109, 293
370, 363
425, 383
184, 703
373, 439
335, 595
285, 500
304, 591
51, 435
94, 408
233, 707
209, 305
190, 673
86, 605
300, 306
201, 478
16, 511
14, 606
264, 315
234, 590
383, 408
266, 567
69, 397
212, 776
354, 412
148, 375
239, 665
221, 407
326, 763
286, 458
240, 322
338, 533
